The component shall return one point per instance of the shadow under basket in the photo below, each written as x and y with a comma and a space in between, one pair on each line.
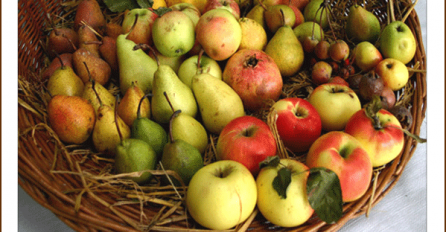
77, 184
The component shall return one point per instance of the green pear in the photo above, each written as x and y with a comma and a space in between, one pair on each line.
149, 131
181, 96
135, 155
173, 61
315, 12
64, 81
257, 14
91, 89
277, 16
134, 65
173, 33
362, 25
397, 41
218, 102
308, 29
286, 51
181, 157
188, 129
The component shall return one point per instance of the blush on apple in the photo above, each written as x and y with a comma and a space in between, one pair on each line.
247, 140
298, 123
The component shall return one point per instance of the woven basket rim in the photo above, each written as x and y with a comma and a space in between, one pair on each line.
36, 152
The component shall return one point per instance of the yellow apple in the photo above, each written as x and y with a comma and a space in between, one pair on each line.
198, 3
367, 56
393, 72
221, 195
291, 211
335, 103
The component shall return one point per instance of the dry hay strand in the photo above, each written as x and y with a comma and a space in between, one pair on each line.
299, 86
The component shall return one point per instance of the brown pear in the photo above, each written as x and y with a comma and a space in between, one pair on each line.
128, 107
99, 69
89, 11
88, 40
113, 30
71, 117
62, 40
107, 50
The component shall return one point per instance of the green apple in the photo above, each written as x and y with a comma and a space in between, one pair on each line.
335, 103
306, 30
219, 33
367, 56
313, 11
189, 68
291, 211
221, 195
397, 41
173, 33
393, 72
189, 9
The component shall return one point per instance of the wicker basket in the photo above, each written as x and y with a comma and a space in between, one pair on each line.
61, 180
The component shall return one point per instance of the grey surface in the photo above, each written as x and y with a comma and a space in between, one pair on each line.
403, 209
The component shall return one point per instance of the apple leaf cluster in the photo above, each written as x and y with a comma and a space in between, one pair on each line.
122, 5
281, 181
324, 194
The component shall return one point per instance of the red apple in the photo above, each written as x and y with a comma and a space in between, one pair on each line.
338, 80
230, 5
383, 140
345, 156
298, 123
255, 77
141, 20
247, 140
299, 16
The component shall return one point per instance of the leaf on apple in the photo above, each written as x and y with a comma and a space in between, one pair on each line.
324, 194
281, 181
270, 161
162, 10
122, 5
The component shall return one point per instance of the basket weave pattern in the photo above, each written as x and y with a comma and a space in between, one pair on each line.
46, 168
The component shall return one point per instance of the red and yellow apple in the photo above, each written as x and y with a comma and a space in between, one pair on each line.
298, 123
255, 77
367, 56
345, 156
247, 140
221, 195
383, 143
291, 211
229, 5
393, 72
335, 103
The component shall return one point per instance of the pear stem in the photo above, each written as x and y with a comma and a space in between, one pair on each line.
283, 17
200, 54
133, 26
147, 47
262, 5
174, 115
138, 112
170, 103
62, 66
93, 83
116, 119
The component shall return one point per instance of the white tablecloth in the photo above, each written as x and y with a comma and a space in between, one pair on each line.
403, 209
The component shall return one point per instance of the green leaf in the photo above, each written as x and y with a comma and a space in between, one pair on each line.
120, 5
281, 181
324, 194
145, 3
162, 10
270, 161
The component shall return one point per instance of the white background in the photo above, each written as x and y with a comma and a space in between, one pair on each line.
403, 209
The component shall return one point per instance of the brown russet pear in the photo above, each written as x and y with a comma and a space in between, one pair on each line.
218, 102
362, 25
71, 117
64, 81
107, 50
128, 106
62, 40
286, 51
109, 130
88, 40
89, 11
180, 95
113, 30
99, 69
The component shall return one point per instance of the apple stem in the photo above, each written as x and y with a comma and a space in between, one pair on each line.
175, 114
170, 103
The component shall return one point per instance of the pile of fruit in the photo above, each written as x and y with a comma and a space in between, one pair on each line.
249, 105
